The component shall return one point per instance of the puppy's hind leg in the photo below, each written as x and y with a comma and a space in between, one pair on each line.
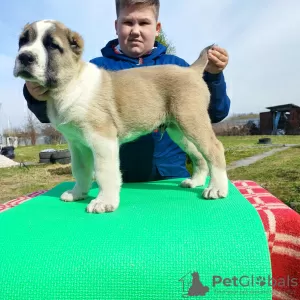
200, 168
200, 132
82, 169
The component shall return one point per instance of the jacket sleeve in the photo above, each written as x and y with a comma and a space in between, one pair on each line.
219, 101
39, 108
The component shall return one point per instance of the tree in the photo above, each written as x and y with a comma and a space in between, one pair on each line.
162, 38
8, 132
17, 132
31, 128
53, 136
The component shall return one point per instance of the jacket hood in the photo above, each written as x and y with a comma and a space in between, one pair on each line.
111, 51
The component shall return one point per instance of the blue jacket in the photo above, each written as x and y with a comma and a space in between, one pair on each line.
150, 157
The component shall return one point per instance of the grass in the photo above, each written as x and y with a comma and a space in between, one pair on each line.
31, 153
236, 153
252, 140
19, 181
278, 173
240, 147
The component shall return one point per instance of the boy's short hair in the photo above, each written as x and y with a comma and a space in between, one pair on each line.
120, 4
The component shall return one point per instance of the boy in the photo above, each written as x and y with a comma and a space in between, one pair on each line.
151, 157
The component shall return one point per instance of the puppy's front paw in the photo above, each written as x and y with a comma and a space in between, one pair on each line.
72, 195
215, 192
101, 206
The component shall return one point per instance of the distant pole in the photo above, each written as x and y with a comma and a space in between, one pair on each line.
1, 129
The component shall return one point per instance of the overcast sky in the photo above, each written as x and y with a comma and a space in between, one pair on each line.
261, 37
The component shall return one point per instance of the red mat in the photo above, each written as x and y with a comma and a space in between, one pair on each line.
282, 227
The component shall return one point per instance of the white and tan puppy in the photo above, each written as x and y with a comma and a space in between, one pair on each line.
97, 110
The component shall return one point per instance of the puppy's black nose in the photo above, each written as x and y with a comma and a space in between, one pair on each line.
26, 58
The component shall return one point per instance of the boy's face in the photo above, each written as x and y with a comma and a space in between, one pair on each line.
137, 29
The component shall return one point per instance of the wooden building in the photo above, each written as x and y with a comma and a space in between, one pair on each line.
280, 119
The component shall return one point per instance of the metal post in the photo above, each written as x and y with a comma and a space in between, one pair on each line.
1, 128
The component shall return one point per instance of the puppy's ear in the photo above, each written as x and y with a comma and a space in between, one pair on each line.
26, 27
76, 42
24, 35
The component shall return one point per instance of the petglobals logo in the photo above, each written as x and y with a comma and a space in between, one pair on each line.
193, 285
254, 281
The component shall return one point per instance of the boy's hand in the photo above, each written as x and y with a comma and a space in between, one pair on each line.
37, 91
217, 60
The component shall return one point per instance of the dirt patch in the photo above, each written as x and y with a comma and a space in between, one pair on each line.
253, 159
6, 162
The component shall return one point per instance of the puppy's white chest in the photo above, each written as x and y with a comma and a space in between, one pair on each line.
64, 122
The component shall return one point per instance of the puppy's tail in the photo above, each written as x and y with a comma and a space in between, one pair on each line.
200, 64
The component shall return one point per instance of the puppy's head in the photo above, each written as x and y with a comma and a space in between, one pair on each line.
49, 53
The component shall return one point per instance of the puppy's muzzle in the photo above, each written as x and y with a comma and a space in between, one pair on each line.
26, 59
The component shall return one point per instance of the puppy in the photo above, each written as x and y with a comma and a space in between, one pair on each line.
98, 110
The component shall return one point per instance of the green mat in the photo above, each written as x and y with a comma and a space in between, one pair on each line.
164, 242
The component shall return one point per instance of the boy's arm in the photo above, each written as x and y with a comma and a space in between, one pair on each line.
219, 101
39, 108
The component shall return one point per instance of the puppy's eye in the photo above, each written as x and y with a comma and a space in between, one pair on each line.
51, 44
24, 39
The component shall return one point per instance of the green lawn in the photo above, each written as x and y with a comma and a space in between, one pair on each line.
239, 147
252, 140
279, 174
19, 181
31, 153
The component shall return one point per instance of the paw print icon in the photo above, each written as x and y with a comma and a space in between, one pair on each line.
260, 280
